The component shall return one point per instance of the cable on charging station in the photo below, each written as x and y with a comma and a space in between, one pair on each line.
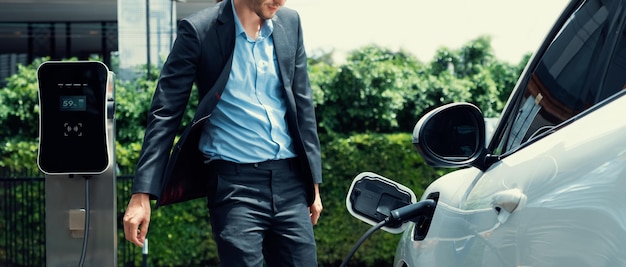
83, 253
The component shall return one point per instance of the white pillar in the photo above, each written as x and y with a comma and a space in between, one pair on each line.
133, 36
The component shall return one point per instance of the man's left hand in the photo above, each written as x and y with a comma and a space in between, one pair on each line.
315, 210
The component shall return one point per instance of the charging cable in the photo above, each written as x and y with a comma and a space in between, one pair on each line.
83, 253
399, 215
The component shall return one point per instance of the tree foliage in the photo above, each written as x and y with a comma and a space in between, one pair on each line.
470, 74
379, 90
19, 117
19, 109
368, 92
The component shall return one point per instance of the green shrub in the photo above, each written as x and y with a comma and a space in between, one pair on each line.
180, 234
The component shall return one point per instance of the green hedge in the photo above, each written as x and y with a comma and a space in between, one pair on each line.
180, 234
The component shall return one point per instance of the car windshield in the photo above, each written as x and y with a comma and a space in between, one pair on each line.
584, 64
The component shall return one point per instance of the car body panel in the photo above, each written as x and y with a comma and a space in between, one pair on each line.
549, 188
571, 216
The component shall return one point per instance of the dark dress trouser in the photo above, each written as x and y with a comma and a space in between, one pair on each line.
259, 211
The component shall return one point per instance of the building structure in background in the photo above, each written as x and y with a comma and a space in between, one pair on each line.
62, 29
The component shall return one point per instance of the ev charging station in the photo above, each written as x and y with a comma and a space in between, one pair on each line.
77, 156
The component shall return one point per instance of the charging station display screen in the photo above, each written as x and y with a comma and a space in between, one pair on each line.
73, 103
72, 126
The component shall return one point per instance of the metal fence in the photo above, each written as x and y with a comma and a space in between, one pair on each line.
22, 221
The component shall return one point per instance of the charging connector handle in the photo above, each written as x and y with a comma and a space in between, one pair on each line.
410, 212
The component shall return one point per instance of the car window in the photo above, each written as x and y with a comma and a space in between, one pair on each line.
583, 65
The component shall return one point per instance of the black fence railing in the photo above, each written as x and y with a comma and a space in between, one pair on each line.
22, 221
23, 237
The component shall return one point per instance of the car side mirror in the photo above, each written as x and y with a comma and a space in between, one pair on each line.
452, 136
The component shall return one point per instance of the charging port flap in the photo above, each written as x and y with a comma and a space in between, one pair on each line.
372, 197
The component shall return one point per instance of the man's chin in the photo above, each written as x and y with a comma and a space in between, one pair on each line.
266, 16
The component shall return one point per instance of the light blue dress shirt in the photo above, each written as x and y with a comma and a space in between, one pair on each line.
248, 124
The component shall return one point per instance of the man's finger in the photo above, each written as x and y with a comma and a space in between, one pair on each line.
135, 230
142, 232
131, 232
314, 217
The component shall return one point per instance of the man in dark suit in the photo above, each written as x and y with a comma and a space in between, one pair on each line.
252, 148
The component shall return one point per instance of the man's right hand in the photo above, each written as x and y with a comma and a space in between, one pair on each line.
137, 218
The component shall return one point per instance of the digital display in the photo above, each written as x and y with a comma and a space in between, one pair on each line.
73, 103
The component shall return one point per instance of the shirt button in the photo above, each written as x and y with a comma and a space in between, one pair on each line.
256, 165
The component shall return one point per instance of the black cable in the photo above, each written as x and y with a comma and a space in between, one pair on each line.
362, 239
402, 215
144, 252
83, 253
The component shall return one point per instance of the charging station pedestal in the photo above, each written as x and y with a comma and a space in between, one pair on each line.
77, 156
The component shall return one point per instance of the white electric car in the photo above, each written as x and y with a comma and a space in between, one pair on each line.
549, 189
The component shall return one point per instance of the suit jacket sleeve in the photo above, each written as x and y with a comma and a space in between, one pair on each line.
168, 107
305, 109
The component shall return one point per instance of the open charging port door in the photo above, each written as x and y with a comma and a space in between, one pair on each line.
372, 197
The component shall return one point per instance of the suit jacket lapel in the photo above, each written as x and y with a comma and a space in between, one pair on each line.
285, 51
225, 29
224, 34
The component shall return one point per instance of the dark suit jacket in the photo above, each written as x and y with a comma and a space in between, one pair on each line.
202, 53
